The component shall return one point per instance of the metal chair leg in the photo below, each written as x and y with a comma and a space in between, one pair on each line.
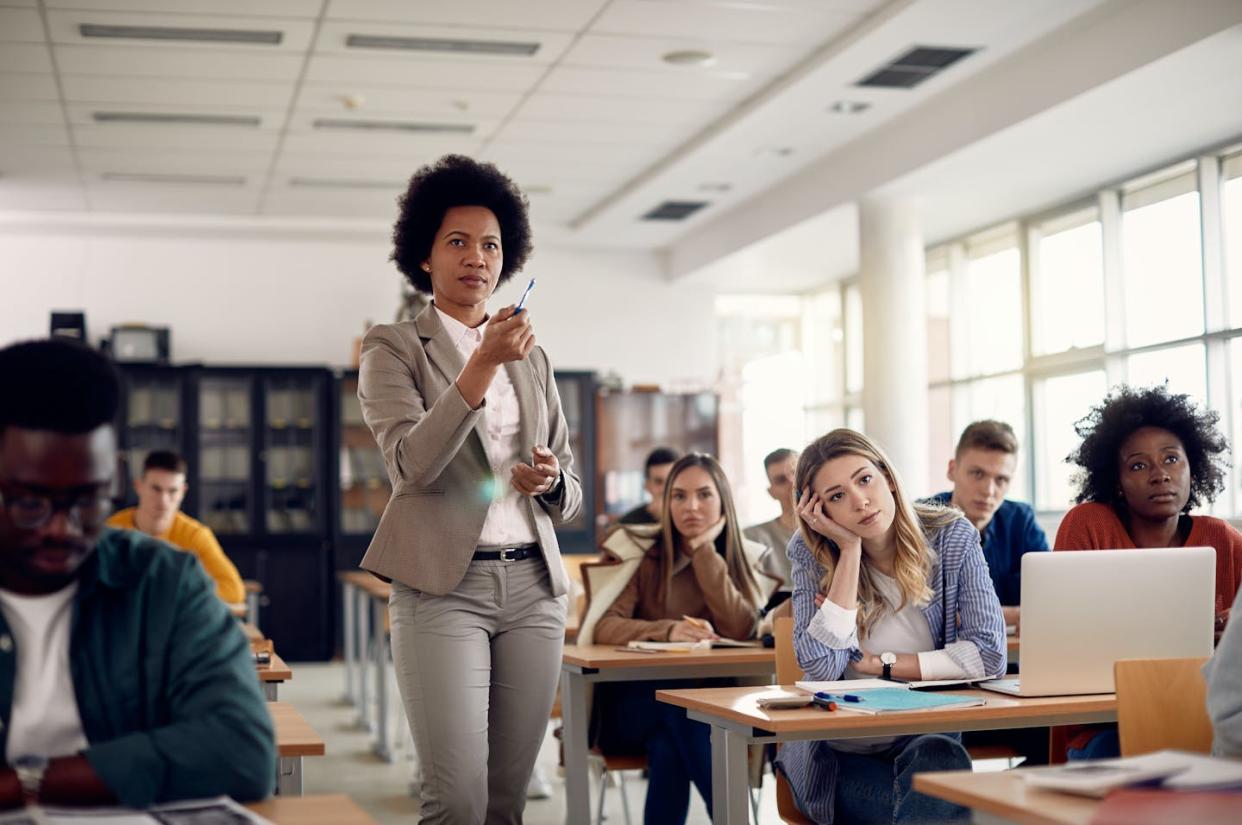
625, 797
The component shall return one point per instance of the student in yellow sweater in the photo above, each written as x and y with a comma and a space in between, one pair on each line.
160, 491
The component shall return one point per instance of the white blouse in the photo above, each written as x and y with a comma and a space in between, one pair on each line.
509, 521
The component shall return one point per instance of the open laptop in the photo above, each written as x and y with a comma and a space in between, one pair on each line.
1084, 610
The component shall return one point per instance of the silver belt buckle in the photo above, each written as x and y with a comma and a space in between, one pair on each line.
506, 554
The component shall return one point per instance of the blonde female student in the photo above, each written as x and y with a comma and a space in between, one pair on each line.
688, 580
883, 587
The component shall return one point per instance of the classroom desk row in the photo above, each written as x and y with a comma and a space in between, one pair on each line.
737, 722
321, 809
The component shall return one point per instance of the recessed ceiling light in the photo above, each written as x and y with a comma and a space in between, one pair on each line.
715, 186
443, 45
774, 151
263, 38
393, 126
690, 57
849, 107
178, 119
153, 177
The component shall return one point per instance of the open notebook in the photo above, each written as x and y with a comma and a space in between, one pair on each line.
686, 647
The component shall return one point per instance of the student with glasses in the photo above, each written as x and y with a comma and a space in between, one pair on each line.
123, 679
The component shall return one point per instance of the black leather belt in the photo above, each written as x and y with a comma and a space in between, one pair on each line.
526, 551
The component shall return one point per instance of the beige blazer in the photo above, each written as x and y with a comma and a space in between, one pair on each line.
433, 449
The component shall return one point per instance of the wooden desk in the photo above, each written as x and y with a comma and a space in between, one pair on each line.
588, 664
1004, 797
295, 739
272, 674
320, 809
737, 722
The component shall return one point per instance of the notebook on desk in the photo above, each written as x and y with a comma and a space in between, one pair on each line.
896, 700
1083, 611
686, 647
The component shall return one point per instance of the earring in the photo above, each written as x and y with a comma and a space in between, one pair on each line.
426, 268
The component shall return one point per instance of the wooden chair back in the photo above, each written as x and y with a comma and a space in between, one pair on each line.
788, 670
1162, 703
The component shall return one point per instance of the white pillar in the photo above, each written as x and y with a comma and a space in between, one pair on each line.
893, 285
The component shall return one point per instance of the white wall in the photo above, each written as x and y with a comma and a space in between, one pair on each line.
244, 297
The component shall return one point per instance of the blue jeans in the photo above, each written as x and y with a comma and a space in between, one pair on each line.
1106, 744
679, 751
877, 788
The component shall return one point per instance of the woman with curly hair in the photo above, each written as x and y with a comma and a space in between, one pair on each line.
890, 588
464, 407
1147, 458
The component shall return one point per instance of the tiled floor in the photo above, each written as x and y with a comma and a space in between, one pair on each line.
382, 789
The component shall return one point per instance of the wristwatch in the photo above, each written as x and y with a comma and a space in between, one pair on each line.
888, 659
29, 769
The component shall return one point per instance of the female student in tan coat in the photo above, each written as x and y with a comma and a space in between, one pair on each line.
694, 582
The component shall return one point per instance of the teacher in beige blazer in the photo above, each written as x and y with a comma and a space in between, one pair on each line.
464, 407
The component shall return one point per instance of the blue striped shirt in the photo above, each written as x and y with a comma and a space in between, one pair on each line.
976, 642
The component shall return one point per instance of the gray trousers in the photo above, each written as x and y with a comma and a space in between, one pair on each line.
478, 669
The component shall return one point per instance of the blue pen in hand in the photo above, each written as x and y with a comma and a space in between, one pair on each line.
521, 304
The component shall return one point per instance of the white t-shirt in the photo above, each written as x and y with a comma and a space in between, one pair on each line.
45, 720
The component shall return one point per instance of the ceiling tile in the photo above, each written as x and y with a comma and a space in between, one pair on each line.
646, 53
33, 135
206, 64
650, 84
97, 160
551, 44
117, 90
28, 87
241, 8
20, 26
304, 200
309, 165
25, 57
59, 194
34, 161
64, 26
598, 109
354, 143
707, 20
553, 15
164, 198
422, 73
32, 113
389, 100
553, 131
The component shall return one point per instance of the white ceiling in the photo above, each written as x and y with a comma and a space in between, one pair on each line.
595, 125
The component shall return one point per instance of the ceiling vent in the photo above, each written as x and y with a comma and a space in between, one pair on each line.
443, 45
178, 119
344, 183
915, 66
150, 177
248, 36
674, 210
394, 126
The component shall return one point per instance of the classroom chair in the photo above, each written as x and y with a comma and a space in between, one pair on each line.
788, 672
1162, 703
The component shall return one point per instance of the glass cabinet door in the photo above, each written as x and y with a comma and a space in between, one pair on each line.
226, 443
152, 420
364, 487
292, 434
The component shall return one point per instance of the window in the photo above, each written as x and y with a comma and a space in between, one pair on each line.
1067, 284
853, 339
993, 338
1182, 367
938, 325
1060, 401
1231, 198
1002, 399
1162, 264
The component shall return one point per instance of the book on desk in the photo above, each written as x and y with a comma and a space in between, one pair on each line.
688, 647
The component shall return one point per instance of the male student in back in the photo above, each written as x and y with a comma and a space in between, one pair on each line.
161, 489
123, 679
981, 470
655, 473
779, 466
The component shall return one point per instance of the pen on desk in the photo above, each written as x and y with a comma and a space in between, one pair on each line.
823, 703
845, 697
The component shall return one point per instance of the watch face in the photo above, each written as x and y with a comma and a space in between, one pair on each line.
888, 658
